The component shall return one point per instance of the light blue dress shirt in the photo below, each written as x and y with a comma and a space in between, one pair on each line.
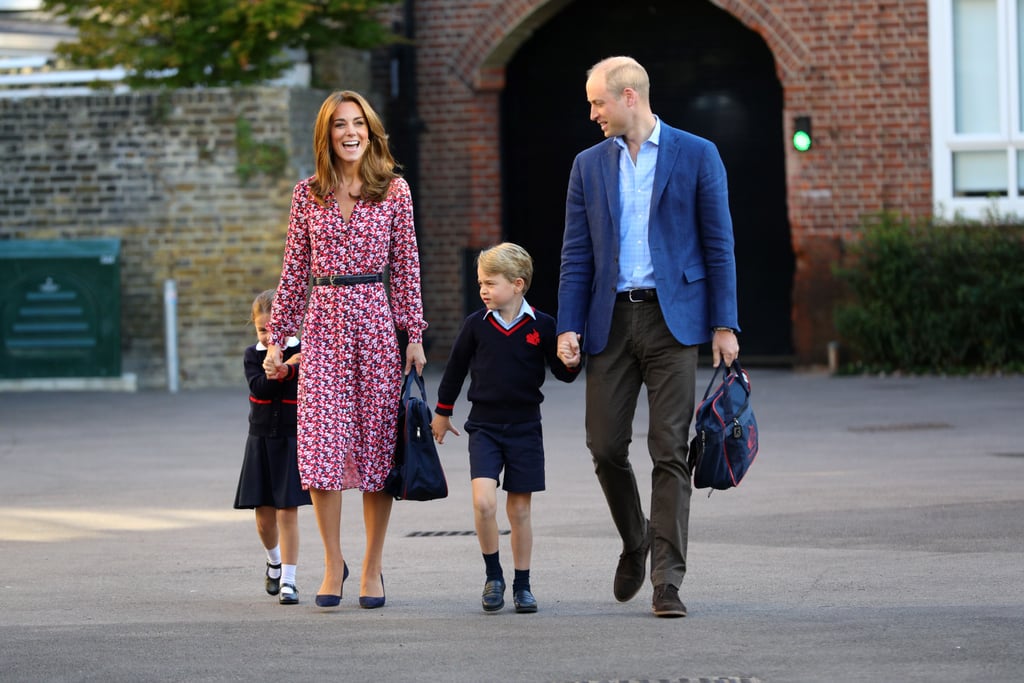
524, 310
636, 184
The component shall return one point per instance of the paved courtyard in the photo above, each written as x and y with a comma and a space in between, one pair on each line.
878, 537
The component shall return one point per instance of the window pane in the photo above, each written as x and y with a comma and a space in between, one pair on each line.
979, 174
1020, 64
1020, 174
976, 66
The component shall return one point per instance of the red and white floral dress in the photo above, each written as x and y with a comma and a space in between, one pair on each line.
351, 372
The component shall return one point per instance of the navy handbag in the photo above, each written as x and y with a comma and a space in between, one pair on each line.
725, 444
417, 473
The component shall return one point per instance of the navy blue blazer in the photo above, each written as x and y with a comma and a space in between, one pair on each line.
690, 238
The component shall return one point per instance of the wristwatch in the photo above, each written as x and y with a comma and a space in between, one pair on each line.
723, 329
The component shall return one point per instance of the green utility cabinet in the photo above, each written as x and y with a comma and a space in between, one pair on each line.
60, 308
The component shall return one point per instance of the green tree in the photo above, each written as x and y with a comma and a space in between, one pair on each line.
185, 43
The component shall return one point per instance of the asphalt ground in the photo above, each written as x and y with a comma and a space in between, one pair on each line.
879, 536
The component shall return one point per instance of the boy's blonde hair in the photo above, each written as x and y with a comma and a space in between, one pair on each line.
262, 303
509, 260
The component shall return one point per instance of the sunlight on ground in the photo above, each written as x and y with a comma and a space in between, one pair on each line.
47, 525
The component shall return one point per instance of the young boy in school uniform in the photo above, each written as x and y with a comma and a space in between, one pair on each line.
504, 347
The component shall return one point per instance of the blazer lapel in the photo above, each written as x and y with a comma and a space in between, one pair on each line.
610, 175
668, 150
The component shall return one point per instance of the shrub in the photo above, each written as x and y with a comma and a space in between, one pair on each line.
934, 297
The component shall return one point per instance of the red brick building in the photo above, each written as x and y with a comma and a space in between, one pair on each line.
500, 94
915, 107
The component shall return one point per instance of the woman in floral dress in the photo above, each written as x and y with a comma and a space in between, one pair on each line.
348, 223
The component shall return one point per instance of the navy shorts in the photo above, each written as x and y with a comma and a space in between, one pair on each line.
516, 448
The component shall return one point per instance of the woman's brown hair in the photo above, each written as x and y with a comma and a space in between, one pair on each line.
377, 168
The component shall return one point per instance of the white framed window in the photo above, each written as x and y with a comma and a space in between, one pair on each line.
977, 104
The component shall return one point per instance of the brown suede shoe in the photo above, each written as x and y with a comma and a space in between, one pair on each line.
666, 601
629, 574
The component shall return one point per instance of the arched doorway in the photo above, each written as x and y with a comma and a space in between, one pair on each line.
710, 75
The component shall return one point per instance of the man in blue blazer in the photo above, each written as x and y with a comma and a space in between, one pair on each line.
648, 273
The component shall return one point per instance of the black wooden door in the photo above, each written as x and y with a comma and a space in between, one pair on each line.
710, 75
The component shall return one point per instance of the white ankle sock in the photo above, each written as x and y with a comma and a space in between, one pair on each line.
288, 573
274, 555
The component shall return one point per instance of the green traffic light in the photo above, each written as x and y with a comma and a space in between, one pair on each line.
802, 133
801, 141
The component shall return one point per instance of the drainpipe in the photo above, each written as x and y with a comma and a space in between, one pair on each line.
171, 333
404, 120
404, 97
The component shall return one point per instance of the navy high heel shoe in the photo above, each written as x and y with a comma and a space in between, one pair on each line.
328, 600
367, 602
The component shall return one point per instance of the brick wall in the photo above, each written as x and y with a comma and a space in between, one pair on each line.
459, 202
159, 172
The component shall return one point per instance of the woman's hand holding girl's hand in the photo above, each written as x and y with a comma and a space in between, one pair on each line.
272, 364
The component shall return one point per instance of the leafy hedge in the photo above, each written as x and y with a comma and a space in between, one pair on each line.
934, 297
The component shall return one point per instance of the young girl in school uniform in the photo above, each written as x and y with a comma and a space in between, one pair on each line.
269, 481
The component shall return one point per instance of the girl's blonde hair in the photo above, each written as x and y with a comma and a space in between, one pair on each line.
377, 168
262, 303
507, 259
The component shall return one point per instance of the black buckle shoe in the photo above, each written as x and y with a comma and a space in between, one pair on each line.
493, 598
289, 594
273, 586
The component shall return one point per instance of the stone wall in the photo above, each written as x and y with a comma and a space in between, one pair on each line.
196, 185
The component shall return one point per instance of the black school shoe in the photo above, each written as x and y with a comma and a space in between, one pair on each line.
493, 598
524, 601
273, 586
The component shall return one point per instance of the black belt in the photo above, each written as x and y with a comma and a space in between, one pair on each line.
637, 296
342, 280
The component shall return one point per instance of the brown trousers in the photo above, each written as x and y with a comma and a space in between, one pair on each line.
642, 351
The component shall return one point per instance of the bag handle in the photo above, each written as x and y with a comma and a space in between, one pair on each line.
743, 377
407, 387
410, 379
735, 369
714, 376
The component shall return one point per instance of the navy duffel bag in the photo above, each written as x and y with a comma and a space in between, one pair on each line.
726, 441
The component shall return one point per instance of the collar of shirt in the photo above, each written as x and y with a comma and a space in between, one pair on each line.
292, 341
636, 186
524, 309
655, 138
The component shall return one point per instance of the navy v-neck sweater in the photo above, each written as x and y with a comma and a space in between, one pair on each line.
506, 368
